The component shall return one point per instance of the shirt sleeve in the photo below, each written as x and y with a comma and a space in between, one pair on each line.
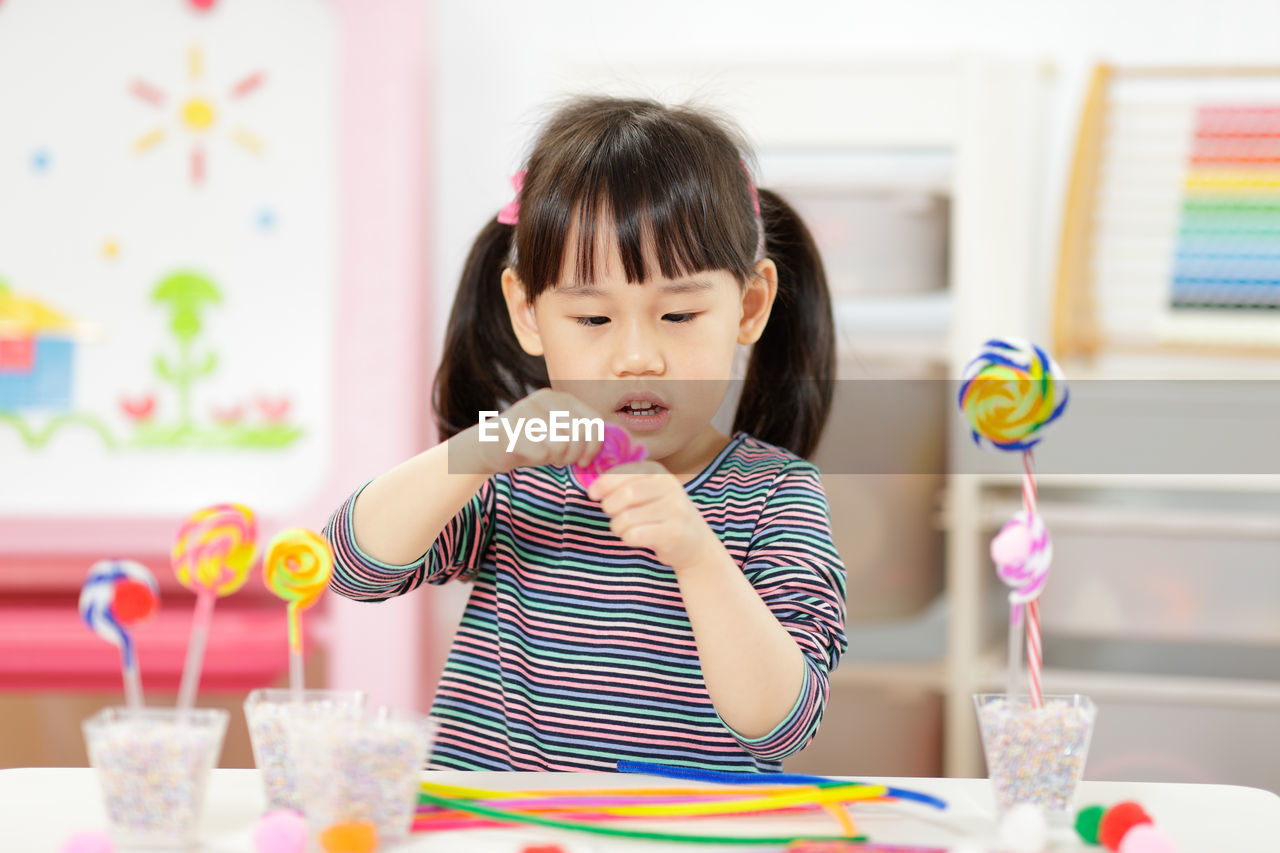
455, 554
793, 565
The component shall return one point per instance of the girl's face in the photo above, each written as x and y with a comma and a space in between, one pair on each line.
654, 357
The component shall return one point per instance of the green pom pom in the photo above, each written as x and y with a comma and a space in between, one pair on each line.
1087, 822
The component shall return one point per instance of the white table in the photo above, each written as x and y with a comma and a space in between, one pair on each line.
41, 807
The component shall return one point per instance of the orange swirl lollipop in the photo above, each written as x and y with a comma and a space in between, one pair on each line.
211, 556
297, 569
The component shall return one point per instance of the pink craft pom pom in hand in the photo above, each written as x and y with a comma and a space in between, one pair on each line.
616, 450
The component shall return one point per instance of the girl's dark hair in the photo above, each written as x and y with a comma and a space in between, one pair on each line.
670, 177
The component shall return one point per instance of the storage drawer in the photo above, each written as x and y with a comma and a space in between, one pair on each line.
1163, 587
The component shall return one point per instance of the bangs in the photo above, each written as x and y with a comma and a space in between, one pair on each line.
659, 184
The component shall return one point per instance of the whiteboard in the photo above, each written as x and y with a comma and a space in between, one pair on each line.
167, 195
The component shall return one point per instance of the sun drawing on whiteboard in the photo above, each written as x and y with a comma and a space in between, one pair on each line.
198, 114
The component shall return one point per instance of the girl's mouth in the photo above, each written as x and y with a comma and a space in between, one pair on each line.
642, 415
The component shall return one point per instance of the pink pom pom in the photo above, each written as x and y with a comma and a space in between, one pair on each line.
281, 831
1023, 552
615, 450
88, 842
1146, 838
1011, 545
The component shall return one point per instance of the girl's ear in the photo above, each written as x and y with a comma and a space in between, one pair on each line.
520, 310
757, 302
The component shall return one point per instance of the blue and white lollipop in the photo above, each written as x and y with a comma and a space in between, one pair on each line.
116, 595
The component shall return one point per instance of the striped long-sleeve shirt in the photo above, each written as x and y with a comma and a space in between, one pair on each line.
575, 649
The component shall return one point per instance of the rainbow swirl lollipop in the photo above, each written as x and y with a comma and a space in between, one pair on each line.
297, 569
1010, 392
211, 556
118, 594
214, 549
1023, 553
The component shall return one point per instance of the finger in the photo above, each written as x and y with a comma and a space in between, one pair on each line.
533, 453
656, 512
635, 494
609, 483
587, 450
647, 535
558, 452
630, 470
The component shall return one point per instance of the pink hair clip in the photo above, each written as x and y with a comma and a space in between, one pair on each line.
510, 214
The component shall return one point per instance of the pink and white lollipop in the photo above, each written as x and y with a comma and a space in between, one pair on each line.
116, 595
1023, 553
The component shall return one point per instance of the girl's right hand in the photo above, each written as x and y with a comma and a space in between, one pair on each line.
494, 456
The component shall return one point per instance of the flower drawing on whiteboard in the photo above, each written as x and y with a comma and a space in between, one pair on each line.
172, 420
196, 114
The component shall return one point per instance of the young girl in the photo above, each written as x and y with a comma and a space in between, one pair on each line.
685, 609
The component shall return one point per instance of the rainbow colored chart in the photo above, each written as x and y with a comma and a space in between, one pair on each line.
1227, 253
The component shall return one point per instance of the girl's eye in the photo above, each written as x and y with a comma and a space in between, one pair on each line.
592, 321
685, 317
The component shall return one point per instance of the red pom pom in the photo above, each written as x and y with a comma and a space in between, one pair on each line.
1118, 820
132, 602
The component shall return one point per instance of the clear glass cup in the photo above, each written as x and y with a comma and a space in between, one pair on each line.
1036, 755
269, 714
366, 769
153, 765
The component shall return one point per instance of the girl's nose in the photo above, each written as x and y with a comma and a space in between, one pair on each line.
637, 352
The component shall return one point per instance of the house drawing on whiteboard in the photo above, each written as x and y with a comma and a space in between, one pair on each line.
37, 352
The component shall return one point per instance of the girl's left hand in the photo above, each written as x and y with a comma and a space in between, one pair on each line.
651, 509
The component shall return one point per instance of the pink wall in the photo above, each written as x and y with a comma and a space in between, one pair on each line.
383, 380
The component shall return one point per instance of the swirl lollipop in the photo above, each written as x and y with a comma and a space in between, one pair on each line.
118, 594
1023, 552
211, 556
1009, 393
616, 449
297, 569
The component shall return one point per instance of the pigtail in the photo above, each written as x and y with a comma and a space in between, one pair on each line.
483, 366
786, 396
